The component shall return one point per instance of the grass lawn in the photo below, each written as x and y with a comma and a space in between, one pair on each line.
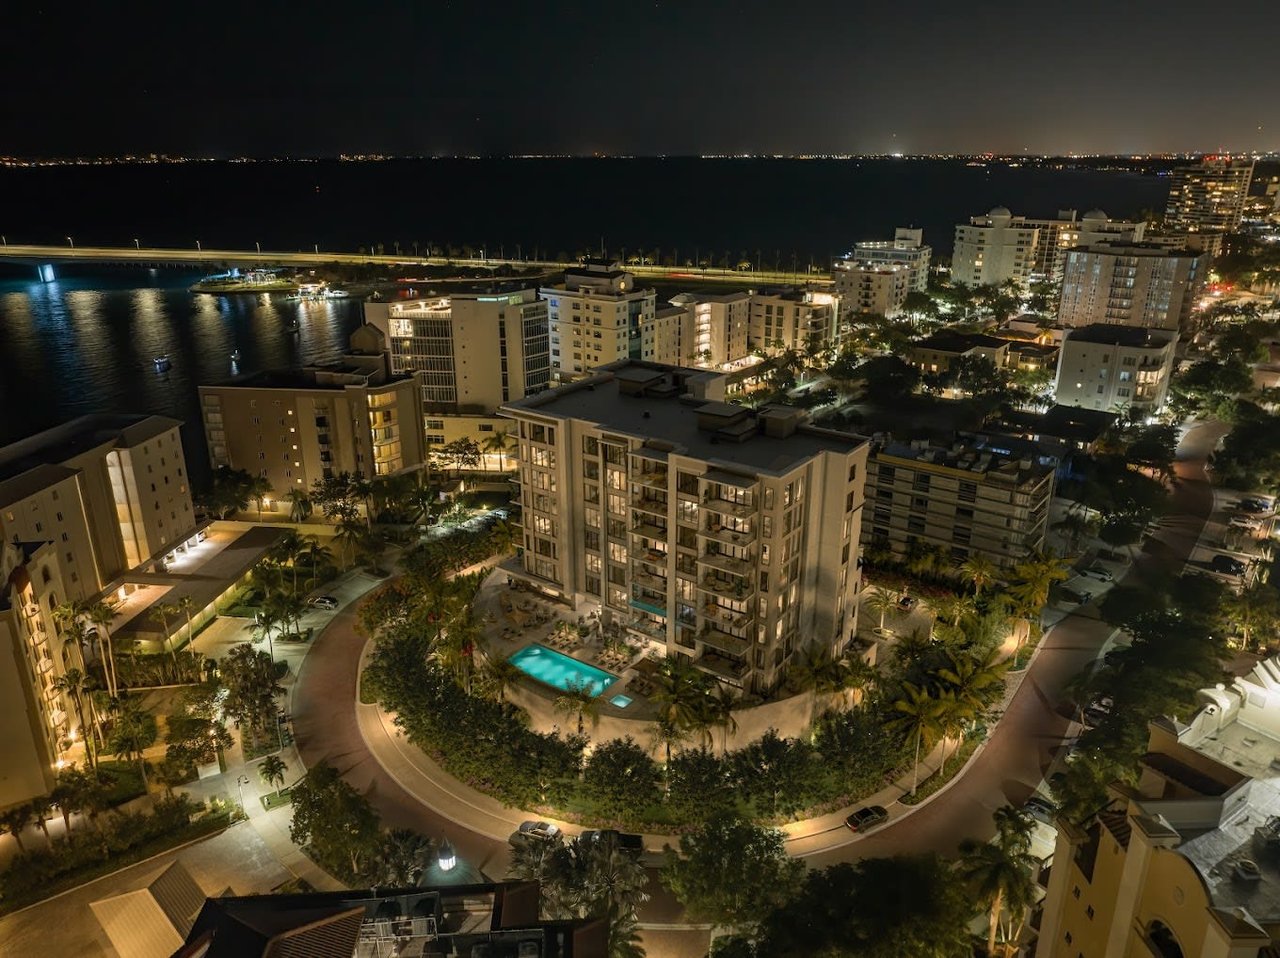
268, 744
277, 799
125, 781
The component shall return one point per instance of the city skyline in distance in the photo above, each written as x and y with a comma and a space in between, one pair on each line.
649, 79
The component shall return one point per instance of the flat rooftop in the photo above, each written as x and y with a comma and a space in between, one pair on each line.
70, 439
695, 428
959, 342
1114, 334
966, 456
310, 377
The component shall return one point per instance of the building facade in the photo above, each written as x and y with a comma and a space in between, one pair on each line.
867, 287
720, 327
1209, 196
958, 499
1182, 863
595, 317
112, 492
1134, 284
799, 319
723, 535
296, 426
905, 249
1068, 230
1110, 367
936, 353
994, 248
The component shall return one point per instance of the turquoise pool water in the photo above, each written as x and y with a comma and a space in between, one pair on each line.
558, 670
622, 701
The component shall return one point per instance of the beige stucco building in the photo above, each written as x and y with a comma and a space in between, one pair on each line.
1183, 864
595, 317
295, 426
724, 535
720, 327
994, 248
1134, 284
799, 319
869, 287
1209, 196
1108, 367
907, 248
960, 498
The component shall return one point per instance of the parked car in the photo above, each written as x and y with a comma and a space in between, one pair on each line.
907, 603
1244, 522
534, 832
631, 843
1040, 808
1071, 595
866, 818
323, 602
1098, 572
1227, 564
1254, 504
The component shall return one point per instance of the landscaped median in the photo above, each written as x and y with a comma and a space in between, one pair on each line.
104, 844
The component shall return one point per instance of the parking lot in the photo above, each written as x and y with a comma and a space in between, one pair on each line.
1236, 540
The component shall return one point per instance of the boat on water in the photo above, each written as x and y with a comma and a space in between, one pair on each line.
249, 281
308, 292
162, 363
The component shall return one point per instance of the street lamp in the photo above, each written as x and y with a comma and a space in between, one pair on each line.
72, 242
136, 244
241, 782
198, 246
258, 247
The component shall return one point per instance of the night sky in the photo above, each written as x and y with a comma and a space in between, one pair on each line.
698, 76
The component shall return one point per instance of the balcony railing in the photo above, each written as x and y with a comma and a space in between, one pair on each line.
727, 507
642, 526
740, 537
656, 480
723, 641
657, 507
721, 616
723, 666
647, 627
722, 587
726, 563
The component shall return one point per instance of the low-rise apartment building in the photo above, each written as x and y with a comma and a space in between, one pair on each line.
907, 248
1110, 367
595, 317
110, 491
957, 498
474, 351
1184, 862
720, 326
994, 248
867, 287
724, 535
799, 319
296, 426
936, 353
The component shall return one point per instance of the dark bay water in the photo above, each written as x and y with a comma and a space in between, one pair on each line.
86, 342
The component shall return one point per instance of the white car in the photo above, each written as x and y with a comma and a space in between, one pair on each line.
1099, 573
1244, 522
323, 602
534, 832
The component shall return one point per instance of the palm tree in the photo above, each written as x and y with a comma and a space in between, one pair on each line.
975, 681
500, 675
264, 624
498, 443
953, 608
881, 602
680, 694
402, 858
999, 875
75, 683
132, 733
101, 614
287, 550
918, 719
166, 611
1034, 577
187, 606
615, 879
349, 534
272, 770
14, 820
259, 489
41, 809
721, 702
503, 538
299, 505
579, 700
668, 735
978, 571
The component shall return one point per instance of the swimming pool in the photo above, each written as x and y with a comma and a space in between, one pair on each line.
558, 670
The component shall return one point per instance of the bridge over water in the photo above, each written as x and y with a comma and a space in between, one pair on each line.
44, 260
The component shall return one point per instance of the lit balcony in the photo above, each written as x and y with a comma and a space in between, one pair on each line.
655, 480
643, 526
647, 627
57, 719
726, 589
44, 665
727, 507
648, 578
657, 507
719, 615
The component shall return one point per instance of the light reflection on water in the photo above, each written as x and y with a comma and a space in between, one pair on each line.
87, 344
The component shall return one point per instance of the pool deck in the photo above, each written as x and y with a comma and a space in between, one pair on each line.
534, 619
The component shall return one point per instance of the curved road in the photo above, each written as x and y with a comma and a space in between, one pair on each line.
1008, 769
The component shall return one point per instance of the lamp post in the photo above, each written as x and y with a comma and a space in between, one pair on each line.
241, 782
198, 250
258, 247
136, 244
71, 242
